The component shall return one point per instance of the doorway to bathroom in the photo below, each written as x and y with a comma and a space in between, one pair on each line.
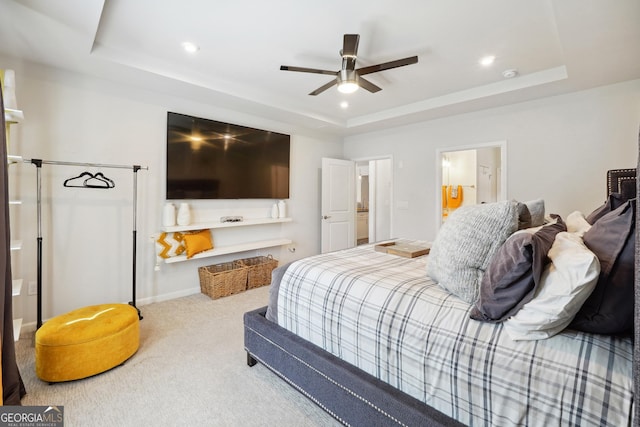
469, 175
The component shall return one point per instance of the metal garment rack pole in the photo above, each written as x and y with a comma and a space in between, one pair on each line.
38, 163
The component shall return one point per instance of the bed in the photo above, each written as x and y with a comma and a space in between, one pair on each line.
374, 339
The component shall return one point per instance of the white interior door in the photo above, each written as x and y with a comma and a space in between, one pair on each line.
338, 205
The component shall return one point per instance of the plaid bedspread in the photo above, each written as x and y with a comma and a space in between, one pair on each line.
382, 314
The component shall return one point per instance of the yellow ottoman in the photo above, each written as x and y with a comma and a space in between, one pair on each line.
86, 342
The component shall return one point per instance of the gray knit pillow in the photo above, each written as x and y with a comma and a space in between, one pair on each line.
536, 210
466, 243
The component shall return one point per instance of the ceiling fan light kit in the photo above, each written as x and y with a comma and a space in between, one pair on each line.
348, 78
347, 81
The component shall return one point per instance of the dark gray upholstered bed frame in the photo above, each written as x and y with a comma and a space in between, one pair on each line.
356, 398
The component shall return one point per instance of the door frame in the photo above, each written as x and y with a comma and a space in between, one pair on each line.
373, 197
438, 168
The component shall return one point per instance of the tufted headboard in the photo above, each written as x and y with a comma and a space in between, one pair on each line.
622, 181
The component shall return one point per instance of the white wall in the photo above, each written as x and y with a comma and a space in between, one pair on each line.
87, 234
558, 148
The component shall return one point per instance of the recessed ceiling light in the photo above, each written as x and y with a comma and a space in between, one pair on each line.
344, 105
190, 47
487, 60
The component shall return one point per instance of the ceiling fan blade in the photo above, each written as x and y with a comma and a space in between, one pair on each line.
366, 84
307, 70
350, 45
324, 87
388, 65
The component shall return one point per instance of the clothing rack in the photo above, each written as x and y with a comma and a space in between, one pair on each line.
38, 163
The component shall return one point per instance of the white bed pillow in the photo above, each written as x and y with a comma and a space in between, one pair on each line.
465, 244
565, 285
577, 223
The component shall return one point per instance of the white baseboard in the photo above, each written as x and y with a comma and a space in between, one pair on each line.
167, 297
31, 326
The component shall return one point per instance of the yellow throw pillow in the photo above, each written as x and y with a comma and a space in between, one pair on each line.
198, 241
170, 245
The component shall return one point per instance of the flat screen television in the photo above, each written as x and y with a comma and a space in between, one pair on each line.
207, 159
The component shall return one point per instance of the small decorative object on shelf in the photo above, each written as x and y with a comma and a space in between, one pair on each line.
184, 214
235, 218
9, 90
274, 211
169, 215
282, 209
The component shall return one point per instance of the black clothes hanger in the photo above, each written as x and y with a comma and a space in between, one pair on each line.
90, 181
99, 181
69, 182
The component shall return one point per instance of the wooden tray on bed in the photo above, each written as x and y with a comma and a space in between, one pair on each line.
402, 249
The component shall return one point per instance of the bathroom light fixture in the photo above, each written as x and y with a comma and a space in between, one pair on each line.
344, 105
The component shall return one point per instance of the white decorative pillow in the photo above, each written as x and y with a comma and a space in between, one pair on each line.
566, 283
577, 223
466, 243
170, 244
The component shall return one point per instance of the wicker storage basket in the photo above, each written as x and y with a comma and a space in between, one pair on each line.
259, 270
221, 280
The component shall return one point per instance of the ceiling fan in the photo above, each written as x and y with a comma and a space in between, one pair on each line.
348, 78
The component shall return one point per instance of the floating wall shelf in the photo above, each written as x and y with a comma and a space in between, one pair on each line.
224, 250
218, 224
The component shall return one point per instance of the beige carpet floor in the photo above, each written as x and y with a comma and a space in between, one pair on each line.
190, 370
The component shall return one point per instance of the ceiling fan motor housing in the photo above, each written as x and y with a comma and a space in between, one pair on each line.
347, 76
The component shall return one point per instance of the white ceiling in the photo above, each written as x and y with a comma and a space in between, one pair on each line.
557, 46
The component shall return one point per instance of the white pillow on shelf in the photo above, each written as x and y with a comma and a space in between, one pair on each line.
170, 244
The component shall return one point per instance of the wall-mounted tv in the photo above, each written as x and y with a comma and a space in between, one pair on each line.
207, 159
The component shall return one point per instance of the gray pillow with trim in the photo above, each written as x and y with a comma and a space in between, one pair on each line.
610, 307
513, 275
467, 242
